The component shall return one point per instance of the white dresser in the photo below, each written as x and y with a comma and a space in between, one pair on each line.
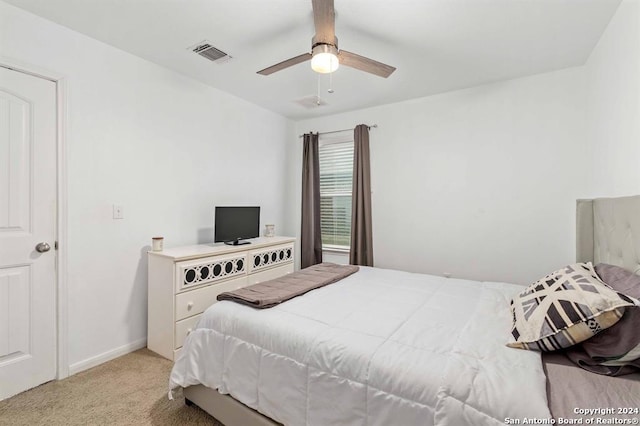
184, 281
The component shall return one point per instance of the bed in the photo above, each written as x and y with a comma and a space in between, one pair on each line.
390, 347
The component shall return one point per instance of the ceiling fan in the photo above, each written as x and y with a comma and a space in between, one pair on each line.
325, 56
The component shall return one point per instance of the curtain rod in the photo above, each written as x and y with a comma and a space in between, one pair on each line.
339, 131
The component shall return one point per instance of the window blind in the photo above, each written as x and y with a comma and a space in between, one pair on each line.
336, 177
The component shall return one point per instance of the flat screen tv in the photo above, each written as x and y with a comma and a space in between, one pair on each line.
233, 225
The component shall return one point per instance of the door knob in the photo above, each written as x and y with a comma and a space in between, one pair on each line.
43, 247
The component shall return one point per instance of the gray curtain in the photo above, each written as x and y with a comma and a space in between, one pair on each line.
361, 252
310, 237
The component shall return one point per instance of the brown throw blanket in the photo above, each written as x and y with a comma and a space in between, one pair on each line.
270, 293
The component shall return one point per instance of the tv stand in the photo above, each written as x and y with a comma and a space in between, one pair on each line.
237, 242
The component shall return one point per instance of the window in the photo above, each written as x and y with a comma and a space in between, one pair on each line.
336, 176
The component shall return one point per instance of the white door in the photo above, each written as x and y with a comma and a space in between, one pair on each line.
27, 218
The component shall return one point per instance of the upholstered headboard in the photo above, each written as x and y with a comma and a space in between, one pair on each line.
608, 231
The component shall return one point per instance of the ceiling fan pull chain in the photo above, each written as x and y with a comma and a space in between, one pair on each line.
330, 90
318, 95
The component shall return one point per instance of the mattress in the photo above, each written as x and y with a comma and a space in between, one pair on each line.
379, 347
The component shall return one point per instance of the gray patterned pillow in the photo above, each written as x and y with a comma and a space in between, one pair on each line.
566, 307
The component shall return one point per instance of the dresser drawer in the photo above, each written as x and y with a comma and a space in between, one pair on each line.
197, 273
196, 301
269, 257
183, 328
269, 274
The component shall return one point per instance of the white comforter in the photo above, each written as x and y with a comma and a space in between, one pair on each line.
380, 347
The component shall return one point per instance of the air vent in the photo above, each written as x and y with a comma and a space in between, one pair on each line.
311, 102
206, 50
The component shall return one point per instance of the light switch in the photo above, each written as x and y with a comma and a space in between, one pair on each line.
118, 211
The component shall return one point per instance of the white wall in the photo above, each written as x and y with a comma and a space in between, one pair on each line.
613, 99
165, 147
480, 183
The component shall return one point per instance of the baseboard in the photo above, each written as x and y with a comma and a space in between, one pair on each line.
106, 356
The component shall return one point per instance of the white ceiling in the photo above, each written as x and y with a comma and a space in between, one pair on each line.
436, 45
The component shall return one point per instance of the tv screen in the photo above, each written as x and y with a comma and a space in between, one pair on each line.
233, 224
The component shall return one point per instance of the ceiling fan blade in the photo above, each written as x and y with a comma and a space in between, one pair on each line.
324, 19
365, 64
285, 64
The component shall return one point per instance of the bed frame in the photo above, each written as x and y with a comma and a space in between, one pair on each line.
607, 230
224, 408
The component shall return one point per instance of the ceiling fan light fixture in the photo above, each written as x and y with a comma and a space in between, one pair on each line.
324, 54
325, 58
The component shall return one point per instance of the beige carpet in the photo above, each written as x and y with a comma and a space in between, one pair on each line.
130, 390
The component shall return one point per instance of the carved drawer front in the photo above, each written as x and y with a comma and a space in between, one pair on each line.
183, 328
195, 301
270, 257
198, 272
